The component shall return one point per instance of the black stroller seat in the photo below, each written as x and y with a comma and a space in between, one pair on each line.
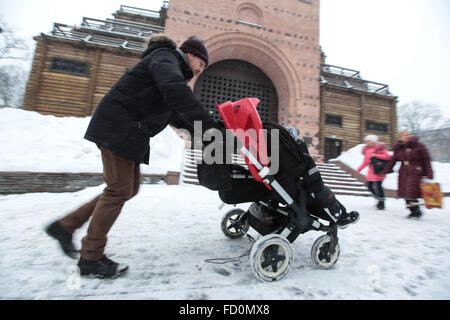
285, 190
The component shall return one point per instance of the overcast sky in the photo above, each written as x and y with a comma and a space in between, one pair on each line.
402, 43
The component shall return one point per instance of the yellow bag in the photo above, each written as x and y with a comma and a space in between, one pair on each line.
431, 194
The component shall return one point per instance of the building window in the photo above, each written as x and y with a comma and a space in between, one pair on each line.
79, 68
333, 120
249, 13
307, 140
376, 126
307, 1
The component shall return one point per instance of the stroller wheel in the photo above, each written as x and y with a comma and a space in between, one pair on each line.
271, 257
232, 226
322, 254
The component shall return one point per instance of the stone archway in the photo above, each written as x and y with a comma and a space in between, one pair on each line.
232, 80
264, 55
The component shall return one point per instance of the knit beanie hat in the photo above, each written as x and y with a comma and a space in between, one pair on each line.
197, 47
371, 137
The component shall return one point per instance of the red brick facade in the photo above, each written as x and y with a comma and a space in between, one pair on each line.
281, 38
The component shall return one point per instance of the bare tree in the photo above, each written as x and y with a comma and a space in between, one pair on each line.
12, 47
427, 122
417, 116
14, 56
13, 79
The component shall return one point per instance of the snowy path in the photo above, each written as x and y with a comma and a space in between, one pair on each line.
166, 232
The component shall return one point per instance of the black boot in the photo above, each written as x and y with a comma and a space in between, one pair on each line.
415, 212
64, 238
380, 204
348, 218
104, 268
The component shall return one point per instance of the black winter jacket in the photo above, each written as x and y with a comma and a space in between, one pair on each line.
147, 98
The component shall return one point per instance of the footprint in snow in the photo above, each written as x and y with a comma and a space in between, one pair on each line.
222, 272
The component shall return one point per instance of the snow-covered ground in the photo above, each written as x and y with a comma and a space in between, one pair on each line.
42, 143
165, 234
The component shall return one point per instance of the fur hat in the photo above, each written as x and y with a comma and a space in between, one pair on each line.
197, 47
371, 137
161, 39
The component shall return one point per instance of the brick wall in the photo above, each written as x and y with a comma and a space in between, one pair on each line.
281, 38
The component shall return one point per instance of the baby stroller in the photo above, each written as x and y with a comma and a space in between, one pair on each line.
283, 203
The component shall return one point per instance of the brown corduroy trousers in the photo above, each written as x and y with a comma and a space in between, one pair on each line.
122, 178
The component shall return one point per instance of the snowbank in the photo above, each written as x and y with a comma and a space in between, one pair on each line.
354, 157
39, 143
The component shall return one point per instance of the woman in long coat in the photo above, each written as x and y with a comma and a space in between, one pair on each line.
416, 165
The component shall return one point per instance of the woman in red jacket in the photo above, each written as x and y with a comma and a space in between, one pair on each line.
416, 165
376, 149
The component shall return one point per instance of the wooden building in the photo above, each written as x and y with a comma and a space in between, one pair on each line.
352, 108
256, 50
75, 66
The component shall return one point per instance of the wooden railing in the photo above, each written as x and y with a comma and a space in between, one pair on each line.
349, 78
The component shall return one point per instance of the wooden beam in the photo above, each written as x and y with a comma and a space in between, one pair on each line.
322, 121
90, 100
34, 95
394, 128
362, 102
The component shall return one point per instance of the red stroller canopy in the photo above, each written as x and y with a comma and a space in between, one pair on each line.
242, 118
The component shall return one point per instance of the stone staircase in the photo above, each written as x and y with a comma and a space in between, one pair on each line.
189, 172
341, 182
191, 158
338, 180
